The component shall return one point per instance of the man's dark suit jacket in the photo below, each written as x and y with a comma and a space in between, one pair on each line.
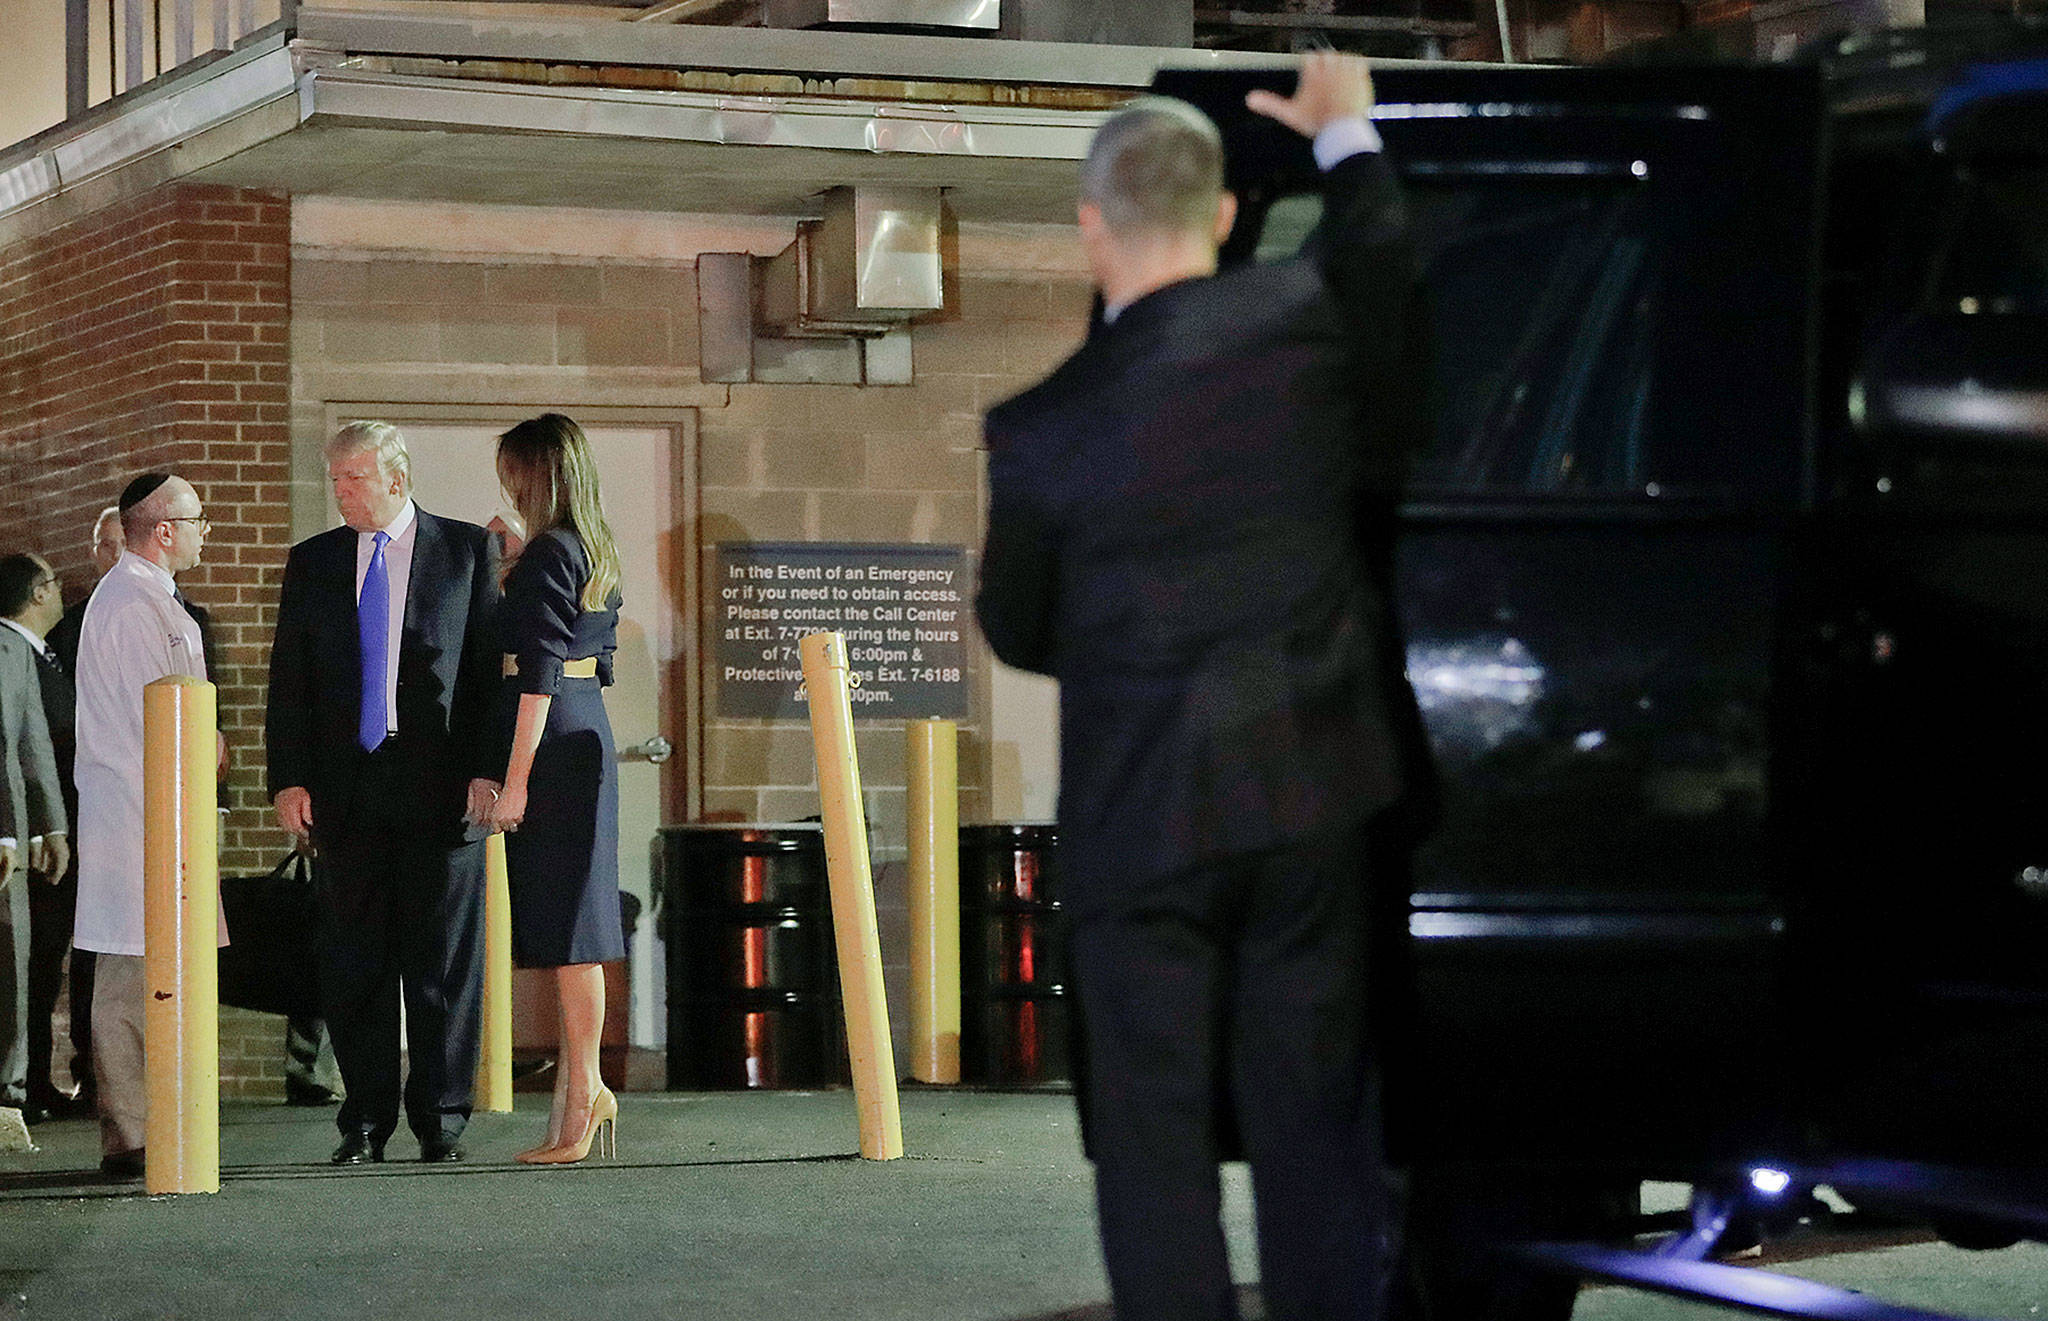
60, 713
31, 794
1191, 528
449, 667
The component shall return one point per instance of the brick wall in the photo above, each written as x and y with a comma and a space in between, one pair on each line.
154, 335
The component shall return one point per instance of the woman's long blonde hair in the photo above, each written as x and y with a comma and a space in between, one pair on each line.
548, 470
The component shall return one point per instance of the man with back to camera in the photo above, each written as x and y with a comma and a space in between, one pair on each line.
1189, 527
382, 674
31, 603
135, 632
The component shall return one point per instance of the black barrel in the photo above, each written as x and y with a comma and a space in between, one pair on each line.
752, 981
1013, 957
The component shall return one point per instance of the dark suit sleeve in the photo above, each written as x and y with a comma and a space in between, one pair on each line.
1019, 589
1366, 246
483, 650
1370, 262
288, 717
204, 619
543, 600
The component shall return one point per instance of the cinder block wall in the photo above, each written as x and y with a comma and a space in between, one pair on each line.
774, 462
153, 335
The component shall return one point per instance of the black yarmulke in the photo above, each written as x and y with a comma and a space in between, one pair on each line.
141, 489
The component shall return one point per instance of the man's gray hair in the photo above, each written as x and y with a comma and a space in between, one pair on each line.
1156, 167
380, 438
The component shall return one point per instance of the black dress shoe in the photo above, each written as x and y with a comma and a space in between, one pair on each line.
57, 1105
442, 1151
357, 1149
126, 1166
31, 1113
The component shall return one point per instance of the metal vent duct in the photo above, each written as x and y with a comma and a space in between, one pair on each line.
965, 15
869, 265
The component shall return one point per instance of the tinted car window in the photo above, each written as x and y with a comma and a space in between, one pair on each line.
1580, 247
1998, 258
1545, 295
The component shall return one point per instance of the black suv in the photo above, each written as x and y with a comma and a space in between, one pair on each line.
1726, 589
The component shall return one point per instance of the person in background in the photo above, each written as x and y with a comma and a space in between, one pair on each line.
106, 546
559, 799
135, 632
1188, 528
382, 673
31, 603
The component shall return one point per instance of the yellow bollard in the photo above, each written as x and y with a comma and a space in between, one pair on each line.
494, 1052
934, 815
181, 915
853, 897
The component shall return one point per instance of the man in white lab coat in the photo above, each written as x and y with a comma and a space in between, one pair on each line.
135, 632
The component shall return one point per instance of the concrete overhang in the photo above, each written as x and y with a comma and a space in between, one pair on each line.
518, 110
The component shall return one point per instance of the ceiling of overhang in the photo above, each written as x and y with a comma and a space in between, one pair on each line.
428, 164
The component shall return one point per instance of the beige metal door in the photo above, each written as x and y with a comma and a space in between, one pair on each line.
454, 475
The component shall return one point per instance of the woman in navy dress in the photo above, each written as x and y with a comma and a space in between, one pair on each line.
559, 804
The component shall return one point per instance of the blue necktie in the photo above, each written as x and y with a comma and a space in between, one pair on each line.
373, 633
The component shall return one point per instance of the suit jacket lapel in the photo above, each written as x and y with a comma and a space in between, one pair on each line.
429, 565
342, 571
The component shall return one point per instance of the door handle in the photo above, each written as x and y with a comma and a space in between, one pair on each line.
655, 749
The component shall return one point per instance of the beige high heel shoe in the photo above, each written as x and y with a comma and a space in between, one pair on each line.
554, 1138
601, 1130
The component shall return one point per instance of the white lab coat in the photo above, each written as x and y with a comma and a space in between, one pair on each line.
134, 633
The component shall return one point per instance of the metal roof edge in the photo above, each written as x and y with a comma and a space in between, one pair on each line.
836, 54
60, 159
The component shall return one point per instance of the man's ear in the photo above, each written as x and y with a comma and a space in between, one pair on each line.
1226, 216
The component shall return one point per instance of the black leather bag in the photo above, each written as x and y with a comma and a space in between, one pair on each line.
270, 963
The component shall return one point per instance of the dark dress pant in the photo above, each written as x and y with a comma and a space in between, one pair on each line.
401, 913
52, 909
1241, 982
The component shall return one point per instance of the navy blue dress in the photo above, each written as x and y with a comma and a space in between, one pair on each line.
564, 858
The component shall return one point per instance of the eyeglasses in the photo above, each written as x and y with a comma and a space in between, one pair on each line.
205, 523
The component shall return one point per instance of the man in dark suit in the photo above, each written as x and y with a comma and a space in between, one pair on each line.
34, 822
381, 678
107, 545
31, 603
1188, 528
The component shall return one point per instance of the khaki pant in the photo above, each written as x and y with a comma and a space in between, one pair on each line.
119, 1001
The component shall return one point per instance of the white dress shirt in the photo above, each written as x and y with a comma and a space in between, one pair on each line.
41, 649
134, 633
403, 532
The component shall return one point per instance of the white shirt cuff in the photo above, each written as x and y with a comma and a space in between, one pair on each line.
1341, 139
9, 842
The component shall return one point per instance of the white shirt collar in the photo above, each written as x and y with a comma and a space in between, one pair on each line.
41, 647
150, 568
398, 526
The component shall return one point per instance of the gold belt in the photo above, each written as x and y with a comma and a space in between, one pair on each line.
586, 668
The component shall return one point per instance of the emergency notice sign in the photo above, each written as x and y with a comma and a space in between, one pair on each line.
904, 609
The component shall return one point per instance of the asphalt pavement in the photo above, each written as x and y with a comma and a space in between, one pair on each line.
729, 1206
